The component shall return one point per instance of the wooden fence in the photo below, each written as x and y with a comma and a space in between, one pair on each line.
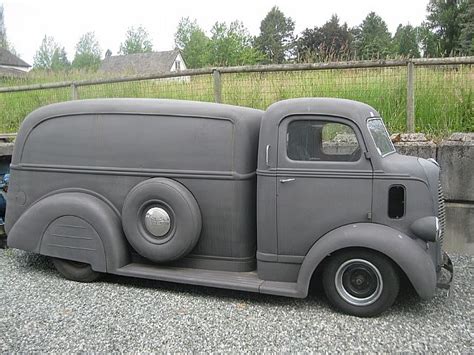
217, 73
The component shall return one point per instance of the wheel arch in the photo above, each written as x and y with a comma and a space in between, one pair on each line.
99, 240
406, 253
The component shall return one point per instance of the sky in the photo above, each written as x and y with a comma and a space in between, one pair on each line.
27, 21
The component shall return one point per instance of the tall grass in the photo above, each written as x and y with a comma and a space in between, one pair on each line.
444, 96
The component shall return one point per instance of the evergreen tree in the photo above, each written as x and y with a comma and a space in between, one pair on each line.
373, 40
332, 41
276, 39
405, 42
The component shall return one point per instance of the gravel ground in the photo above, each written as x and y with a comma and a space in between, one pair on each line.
41, 311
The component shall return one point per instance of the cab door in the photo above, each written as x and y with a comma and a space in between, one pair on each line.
324, 180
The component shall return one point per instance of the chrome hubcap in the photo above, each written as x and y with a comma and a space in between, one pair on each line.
157, 221
359, 282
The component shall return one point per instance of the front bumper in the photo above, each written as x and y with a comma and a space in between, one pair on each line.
447, 265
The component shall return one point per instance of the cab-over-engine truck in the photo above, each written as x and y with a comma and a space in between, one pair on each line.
230, 197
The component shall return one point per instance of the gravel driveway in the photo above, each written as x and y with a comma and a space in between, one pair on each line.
40, 311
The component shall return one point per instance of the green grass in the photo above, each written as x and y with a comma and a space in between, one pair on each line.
443, 96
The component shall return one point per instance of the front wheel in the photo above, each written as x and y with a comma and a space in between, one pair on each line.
75, 271
360, 282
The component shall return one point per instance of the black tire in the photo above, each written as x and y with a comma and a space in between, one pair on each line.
76, 271
184, 219
360, 282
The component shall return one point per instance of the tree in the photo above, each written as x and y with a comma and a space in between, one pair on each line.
228, 45
44, 55
137, 41
466, 36
3, 31
444, 19
373, 40
4, 43
429, 41
186, 27
197, 51
308, 45
193, 43
276, 39
232, 45
59, 59
88, 52
329, 42
50, 55
405, 42
337, 39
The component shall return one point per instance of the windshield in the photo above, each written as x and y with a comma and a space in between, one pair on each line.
380, 136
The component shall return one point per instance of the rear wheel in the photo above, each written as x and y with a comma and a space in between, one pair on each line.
75, 271
360, 282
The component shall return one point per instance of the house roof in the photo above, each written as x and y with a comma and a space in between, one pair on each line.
153, 62
8, 58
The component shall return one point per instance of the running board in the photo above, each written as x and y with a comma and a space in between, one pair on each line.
242, 281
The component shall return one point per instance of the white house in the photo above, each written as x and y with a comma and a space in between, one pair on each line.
144, 63
11, 65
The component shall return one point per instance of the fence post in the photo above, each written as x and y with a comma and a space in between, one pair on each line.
74, 92
410, 97
217, 86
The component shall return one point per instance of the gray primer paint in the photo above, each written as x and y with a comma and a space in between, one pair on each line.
70, 167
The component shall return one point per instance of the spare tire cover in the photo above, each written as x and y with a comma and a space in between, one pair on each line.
161, 219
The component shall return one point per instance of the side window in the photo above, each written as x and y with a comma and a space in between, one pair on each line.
311, 140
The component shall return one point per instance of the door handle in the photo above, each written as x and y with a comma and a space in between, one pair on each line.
267, 155
287, 180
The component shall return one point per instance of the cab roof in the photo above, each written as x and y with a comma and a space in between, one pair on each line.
353, 110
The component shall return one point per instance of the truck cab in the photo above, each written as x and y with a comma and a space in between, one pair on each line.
223, 196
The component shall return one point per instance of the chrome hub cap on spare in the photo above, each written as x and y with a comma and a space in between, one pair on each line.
359, 282
157, 221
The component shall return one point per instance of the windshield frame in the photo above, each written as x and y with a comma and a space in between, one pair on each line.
386, 132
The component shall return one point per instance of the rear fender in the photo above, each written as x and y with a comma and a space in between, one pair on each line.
409, 254
74, 226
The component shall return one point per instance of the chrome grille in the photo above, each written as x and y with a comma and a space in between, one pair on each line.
441, 212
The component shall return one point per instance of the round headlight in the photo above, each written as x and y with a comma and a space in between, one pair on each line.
427, 228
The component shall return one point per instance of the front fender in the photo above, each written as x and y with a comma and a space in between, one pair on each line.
409, 254
72, 225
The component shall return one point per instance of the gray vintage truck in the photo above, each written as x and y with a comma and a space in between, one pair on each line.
230, 197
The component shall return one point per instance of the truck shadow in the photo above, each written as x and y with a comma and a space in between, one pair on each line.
407, 300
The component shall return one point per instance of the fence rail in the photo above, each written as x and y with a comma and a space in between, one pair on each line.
218, 75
